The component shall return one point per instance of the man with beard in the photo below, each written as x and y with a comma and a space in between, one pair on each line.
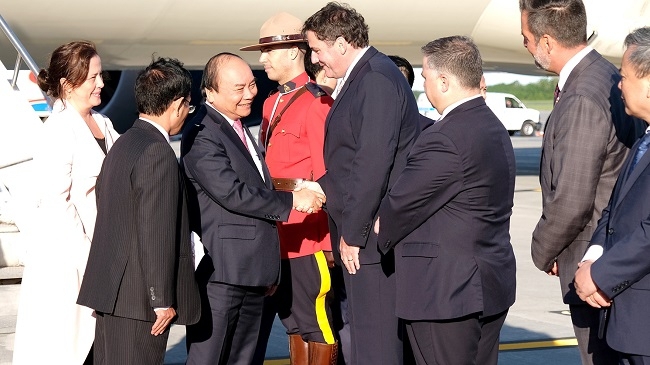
585, 143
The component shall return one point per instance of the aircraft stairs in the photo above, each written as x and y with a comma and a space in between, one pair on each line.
19, 123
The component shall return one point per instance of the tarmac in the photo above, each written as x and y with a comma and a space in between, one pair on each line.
537, 330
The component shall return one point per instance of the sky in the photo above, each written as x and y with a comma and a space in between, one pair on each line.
491, 78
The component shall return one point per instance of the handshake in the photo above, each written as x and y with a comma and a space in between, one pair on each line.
308, 197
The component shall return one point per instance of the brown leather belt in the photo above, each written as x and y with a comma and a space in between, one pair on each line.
285, 184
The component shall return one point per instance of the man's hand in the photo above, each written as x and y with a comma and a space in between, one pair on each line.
598, 300
586, 288
377, 226
329, 258
270, 290
307, 201
555, 271
349, 256
163, 318
311, 185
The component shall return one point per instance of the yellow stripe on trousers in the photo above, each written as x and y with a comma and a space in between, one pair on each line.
325, 286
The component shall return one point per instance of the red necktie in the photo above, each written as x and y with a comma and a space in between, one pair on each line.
237, 126
556, 94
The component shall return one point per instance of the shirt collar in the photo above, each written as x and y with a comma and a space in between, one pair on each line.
294, 84
354, 63
569, 66
453, 106
158, 127
230, 121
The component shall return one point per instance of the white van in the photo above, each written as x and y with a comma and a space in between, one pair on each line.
508, 108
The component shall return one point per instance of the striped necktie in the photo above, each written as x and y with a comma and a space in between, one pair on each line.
556, 94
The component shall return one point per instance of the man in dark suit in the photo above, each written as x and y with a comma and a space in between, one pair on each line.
368, 134
454, 285
235, 210
140, 269
619, 277
585, 142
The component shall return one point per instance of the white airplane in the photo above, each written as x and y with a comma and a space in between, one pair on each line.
128, 32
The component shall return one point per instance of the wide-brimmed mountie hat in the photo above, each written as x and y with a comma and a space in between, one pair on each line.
281, 28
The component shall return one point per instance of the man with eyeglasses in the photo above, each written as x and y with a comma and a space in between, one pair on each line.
140, 274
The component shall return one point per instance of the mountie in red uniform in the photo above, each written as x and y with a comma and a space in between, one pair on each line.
295, 150
293, 132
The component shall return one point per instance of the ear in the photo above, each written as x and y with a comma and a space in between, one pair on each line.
443, 82
547, 43
293, 52
209, 95
177, 105
65, 85
341, 45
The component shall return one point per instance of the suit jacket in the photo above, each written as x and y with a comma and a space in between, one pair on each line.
234, 209
623, 270
585, 142
448, 217
67, 161
368, 134
141, 256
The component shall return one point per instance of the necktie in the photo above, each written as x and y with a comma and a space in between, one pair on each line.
640, 151
556, 94
240, 132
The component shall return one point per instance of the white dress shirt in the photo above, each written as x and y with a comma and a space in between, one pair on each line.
340, 82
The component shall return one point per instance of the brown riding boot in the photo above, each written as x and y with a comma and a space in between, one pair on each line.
298, 350
322, 353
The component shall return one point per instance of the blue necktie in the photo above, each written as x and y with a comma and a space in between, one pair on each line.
641, 150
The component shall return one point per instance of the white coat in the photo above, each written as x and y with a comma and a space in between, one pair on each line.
51, 328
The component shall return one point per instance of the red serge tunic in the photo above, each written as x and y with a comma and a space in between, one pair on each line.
295, 150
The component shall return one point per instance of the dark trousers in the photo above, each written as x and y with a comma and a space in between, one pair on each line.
230, 322
375, 331
468, 340
125, 341
627, 359
593, 350
300, 301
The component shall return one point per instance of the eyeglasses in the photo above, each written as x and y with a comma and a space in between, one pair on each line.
190, 106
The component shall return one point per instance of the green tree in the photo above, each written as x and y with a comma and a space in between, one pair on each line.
541, 90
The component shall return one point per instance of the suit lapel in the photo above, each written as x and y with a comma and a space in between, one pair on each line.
265, 170
590, 58
230, 133
372, 51
628, 179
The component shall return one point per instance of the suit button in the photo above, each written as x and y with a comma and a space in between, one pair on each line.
610, 231
151, 289
153, 297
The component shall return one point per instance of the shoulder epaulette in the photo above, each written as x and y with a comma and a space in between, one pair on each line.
315, 90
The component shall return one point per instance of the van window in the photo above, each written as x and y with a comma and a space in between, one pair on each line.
512, 103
